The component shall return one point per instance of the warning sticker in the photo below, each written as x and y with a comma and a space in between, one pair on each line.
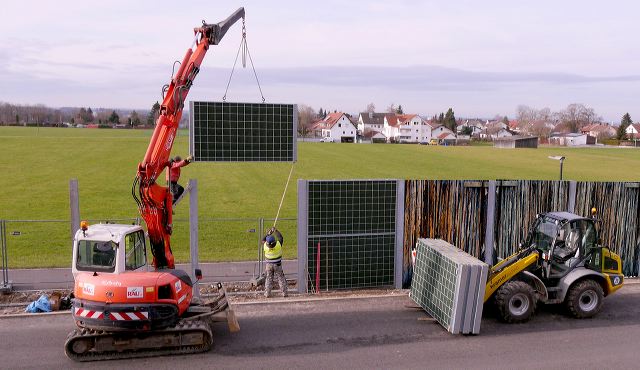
134, 292
178, 285
88, 289
182, 299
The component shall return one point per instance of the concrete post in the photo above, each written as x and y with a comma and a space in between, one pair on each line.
489, 237
74, 205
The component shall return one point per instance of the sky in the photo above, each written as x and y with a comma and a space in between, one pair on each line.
482, 58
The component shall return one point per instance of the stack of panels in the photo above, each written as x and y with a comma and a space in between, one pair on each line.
449, 284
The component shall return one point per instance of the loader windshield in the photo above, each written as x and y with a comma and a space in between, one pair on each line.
544, 233
96, 255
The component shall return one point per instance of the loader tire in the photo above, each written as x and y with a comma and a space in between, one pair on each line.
516, 301
584, 299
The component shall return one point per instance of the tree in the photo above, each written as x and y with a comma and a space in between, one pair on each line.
450, 120
134, 119
371, 108
391, 108
576, 116
153, 115
621, 134
466, 130
114, 118
306, 115
505, 120
399, 109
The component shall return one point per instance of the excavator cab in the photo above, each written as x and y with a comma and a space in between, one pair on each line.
109, 248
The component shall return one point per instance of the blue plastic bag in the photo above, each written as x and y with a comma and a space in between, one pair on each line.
40, 305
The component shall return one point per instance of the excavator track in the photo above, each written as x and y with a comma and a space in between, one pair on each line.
186, 337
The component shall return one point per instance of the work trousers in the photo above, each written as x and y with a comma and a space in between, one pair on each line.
176, 191
271, 269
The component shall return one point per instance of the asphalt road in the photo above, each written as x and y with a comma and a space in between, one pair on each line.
367, 333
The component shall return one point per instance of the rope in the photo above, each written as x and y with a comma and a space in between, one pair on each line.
245, 51
283, 194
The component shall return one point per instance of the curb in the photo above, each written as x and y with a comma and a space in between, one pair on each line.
321, 299
43, 314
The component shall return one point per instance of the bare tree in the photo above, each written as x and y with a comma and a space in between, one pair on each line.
371, 108
392, 108
306, 116
576, 116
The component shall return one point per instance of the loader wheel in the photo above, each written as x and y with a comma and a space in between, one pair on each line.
516, 301
584, 299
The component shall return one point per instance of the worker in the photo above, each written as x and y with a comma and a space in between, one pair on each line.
272, 248
173, 175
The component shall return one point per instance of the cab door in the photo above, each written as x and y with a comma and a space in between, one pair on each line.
135, 256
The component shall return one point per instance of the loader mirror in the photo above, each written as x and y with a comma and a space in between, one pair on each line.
198, 274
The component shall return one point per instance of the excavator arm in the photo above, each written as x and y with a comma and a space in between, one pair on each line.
155, 201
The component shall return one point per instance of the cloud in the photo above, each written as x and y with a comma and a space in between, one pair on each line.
430, 78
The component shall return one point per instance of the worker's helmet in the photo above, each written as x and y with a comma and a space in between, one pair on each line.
271, 241
177, 158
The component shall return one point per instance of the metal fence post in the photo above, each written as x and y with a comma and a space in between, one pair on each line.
489, 237
74, 204
303, 208
399, 247
6, 284
193, 232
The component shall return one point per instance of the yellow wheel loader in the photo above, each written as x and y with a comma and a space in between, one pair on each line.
561, 261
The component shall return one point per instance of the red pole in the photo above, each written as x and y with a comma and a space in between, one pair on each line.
318, 269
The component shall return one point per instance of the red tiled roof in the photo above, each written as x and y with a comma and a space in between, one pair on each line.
444, 135
328, 121
392, 118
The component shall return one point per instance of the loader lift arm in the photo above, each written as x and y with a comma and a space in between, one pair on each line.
155, 201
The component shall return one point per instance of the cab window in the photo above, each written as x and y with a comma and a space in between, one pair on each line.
96, 255
135, 256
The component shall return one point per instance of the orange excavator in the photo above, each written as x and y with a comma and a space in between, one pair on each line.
122, 307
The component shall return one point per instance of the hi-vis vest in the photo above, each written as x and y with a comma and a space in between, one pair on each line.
274, 254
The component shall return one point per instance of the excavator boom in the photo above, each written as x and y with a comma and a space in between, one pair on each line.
155, 201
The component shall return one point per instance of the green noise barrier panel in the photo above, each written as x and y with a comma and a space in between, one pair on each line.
243, 132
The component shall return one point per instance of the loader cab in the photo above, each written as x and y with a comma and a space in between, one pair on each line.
565, 241
109, 248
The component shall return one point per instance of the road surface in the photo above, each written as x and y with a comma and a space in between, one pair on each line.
367, 333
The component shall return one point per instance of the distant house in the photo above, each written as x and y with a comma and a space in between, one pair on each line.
408, 128
571, 139
633, 131
599, 131
336, 126
370, 121
475, 126
447, 138
438, 130
374, 136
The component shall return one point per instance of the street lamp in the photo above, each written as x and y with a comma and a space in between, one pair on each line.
558, 158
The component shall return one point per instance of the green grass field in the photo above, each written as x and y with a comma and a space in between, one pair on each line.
38, 163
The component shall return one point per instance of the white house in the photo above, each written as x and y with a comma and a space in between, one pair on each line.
501, 133
476, 127
336, 126
633, 131
572, 139
408, 128
437, 131
370, 121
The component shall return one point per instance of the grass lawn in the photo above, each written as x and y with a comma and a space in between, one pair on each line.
38, 163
